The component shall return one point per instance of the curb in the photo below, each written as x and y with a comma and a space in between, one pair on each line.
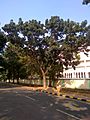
66, 96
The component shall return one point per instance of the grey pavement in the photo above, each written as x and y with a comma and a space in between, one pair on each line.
72, 95
25, 104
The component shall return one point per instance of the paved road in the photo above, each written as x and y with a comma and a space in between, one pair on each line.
19, 104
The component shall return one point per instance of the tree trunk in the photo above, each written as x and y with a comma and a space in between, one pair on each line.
50, 82
9, 80
17, 80
17, 77
44, 78
13, 80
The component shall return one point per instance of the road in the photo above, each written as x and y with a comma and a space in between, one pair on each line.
21, 104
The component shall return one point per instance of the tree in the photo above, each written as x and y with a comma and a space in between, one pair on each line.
11, 55
68, 39
47, 48
13, 51
13, 35
86, 2
3, 72
34, 33
3, 41
57, 43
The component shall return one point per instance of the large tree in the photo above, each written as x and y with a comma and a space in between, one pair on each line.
51, 47
14, 64
35, 45
86, 2
13, 51
68, 39
3, 41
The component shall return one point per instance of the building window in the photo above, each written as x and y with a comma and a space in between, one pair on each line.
84, 75
81, 74
65, 75
71, 75
76, 75
87, 60
88, 74
82, 61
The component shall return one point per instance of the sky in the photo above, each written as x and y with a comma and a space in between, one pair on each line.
43, 9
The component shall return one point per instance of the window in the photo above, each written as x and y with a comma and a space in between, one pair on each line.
82, 61
88, 74
65, 75
76, 75
81, 74
87, 60
71, 75
84, 75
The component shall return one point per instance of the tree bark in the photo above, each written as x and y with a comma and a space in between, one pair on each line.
18, 80
9, 80
44, 78
13, 80
50, 82
44, 81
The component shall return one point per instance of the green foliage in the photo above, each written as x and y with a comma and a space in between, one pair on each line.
36, 49
86, 2
12, 58
2, 41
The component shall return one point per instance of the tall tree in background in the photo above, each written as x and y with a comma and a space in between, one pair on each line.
13, 51
3, 41
35, 45
47, 48
66, 39
86, 2
14, 64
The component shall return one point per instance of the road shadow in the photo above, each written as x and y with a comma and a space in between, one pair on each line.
8, 85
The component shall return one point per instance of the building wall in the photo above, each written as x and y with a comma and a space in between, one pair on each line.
80, 77
81, 84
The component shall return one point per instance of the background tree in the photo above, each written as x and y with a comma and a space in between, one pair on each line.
68, 38
13, 50
47, 48
3, 41
14, 64
86, 2
35, 45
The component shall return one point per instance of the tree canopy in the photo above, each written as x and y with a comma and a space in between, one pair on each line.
3, 41
86, 2
43, 49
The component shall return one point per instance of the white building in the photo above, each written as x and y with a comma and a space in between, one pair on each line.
80, 77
